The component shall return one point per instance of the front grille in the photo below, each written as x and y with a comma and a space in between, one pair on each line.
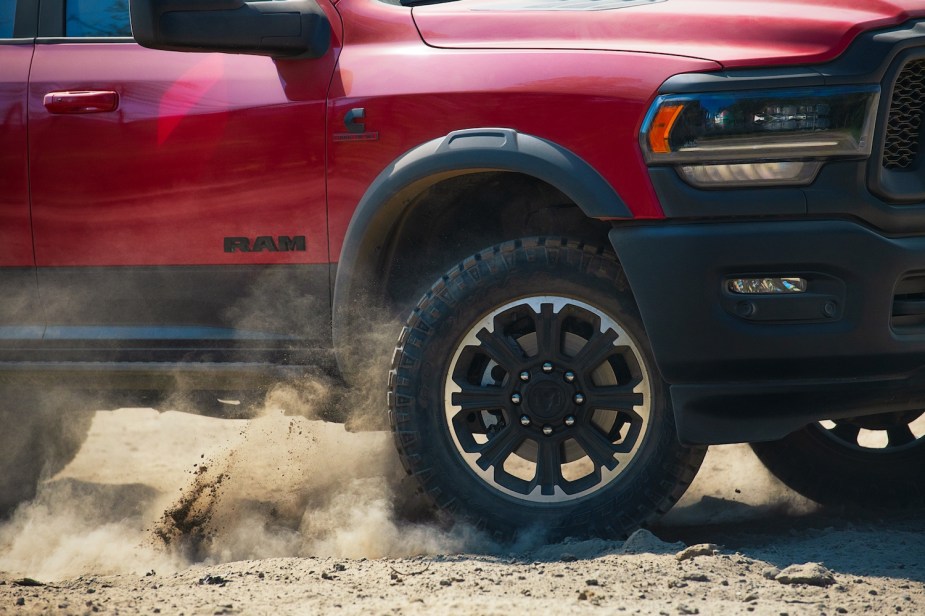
905, 120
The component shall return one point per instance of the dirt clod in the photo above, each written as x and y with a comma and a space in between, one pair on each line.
812, 574
701, 549
644, 542
213, 580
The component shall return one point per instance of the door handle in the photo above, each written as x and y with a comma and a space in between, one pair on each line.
96, 101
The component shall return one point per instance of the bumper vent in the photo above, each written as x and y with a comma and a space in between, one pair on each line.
905, 119
909, 305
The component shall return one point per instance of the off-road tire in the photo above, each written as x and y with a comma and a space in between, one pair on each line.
830, 471
531, 269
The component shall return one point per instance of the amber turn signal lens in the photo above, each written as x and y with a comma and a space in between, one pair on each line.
661, 128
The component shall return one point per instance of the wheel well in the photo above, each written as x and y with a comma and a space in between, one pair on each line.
456, 217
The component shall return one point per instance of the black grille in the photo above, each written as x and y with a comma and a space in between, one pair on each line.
905, 119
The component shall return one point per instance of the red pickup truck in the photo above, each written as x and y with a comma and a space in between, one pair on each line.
614, 232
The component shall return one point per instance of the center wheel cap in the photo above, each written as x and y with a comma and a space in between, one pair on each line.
547, 400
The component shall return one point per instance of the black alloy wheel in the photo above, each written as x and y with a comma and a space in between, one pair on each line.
547, 399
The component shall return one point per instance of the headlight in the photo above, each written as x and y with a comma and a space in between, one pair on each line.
722, 139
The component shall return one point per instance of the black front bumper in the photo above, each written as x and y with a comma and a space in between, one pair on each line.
753, 368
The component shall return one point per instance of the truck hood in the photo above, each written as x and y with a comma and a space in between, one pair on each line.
734, 33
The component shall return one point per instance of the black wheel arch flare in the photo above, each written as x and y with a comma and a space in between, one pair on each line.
458, 153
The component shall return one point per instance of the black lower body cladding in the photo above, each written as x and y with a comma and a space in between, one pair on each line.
757, 367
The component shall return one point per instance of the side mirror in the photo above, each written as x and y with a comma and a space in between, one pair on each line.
276, 28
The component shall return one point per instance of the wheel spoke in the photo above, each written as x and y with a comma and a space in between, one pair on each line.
597, 349
614, 398
479, 398
598, 448
499, 447
847, 432
498, 347
548, 466
548, 332
631, 437
900, 435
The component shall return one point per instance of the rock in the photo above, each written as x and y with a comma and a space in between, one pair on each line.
701, 549
21, 601
214, 580
813, 574
770, 573
27, 582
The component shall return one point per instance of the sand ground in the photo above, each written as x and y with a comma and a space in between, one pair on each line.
292, 516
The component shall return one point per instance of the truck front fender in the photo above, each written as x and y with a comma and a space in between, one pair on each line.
461, 152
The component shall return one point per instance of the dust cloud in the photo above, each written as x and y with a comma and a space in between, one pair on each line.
162, 491
294, 486
733, 486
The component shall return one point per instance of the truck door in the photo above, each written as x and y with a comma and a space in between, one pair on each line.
19, 317
175, 196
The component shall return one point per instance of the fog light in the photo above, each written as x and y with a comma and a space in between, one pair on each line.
751, 174
764, 286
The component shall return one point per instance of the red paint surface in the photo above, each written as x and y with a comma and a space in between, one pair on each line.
202, 146
589, 102
15, 230
205, 146
732, 32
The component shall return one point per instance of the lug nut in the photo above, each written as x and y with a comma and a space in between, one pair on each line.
547, 367
524, 376
547, 430
579, 398
569, 376
524, 420
570, 421
515, 398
